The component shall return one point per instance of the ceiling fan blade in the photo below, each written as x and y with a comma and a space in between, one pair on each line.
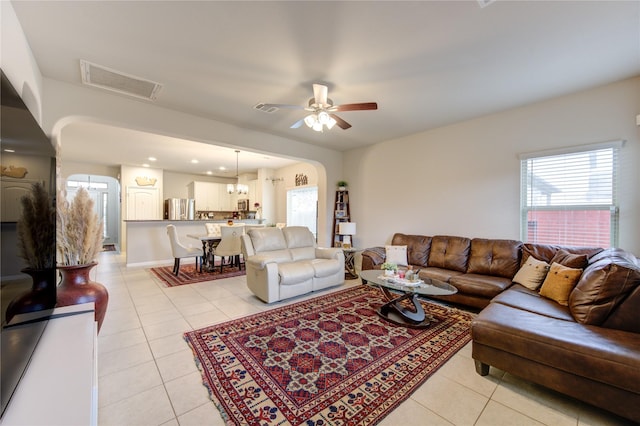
320, 92
340, 122
281, 106
297, 124
363, 106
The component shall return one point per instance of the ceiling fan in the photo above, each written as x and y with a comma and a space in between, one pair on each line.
322, 110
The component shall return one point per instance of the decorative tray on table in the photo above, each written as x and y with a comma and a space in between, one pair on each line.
395, 279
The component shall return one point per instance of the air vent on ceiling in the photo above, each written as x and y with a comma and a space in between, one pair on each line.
109, 79
262, 107
485, 3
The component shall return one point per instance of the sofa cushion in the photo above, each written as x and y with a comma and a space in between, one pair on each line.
298, 236
276, 256
439, 274
325, 267
570, 260
605, 288
500, 258
449, 252
521, 297
559, 283
546, 252
532, 273
267, 239
480, 285
418, 247
295, 272
303, 253
396, 254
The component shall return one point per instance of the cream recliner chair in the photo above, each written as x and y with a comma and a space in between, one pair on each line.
283, 263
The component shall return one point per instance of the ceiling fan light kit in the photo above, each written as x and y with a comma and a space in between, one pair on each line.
322, 109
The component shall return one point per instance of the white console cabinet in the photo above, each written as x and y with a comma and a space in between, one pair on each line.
60, 384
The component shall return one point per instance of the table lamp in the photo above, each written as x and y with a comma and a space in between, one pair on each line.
346, 229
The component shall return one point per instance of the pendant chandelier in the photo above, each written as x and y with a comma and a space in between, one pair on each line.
238, 187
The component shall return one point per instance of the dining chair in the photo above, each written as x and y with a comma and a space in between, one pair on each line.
230, 246
180, 251
212, 228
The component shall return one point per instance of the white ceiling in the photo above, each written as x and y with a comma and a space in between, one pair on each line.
426, 63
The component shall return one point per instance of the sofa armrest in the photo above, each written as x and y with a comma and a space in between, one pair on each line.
373, 257
329, 253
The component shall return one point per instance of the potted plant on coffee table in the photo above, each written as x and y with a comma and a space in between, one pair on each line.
389, 268
79, 240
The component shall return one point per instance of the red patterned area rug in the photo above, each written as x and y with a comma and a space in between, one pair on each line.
189, 275
330, 360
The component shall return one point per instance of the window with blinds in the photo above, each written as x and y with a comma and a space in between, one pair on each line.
569, 197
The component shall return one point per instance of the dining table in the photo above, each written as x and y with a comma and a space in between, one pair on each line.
209, 244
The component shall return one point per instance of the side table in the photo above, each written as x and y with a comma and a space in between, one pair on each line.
350, 263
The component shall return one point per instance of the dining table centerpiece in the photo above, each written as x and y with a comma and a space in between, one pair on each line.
36, 230
79, 240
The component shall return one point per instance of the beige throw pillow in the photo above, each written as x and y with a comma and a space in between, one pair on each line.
559, 283
532, 273
396, 254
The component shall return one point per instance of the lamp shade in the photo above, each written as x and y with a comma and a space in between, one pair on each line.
347, 228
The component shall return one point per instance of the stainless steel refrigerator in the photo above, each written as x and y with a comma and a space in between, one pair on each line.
180, 209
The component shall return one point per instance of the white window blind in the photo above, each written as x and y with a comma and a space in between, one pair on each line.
569, 198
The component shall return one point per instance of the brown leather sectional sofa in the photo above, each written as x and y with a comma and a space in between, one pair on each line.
589, 349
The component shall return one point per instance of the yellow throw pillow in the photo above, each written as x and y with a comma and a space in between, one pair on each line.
559, 283
532, 273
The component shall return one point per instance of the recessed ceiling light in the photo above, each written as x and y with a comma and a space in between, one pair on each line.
194, 161
223, 168
145, 165
9, 150
152, 158
209, 172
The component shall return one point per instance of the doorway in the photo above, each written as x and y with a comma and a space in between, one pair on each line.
105, 193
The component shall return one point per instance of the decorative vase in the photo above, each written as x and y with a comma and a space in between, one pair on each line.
41, 296
76, 287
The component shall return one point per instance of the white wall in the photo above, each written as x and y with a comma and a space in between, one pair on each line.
464, 179
288, 174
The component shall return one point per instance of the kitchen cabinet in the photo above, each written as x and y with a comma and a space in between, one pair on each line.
206, 195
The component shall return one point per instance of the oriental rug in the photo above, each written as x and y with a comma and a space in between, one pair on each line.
189, 275
330, 360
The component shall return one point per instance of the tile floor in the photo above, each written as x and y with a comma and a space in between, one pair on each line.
147, 375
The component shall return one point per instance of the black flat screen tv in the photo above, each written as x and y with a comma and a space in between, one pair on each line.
21, 138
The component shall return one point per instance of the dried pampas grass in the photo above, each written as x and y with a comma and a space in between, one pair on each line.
36, 229
79, 230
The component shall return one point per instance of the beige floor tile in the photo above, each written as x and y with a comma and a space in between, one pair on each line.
151, 407
195, 308
235, 307
167, 345
462, 370
187, 393
539, 403
166, 328
205, 319
443, 396
122, 359
118, 321
496, 414
412, 413
112, 342
206, 414
157, 317
127, 383
177, 365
